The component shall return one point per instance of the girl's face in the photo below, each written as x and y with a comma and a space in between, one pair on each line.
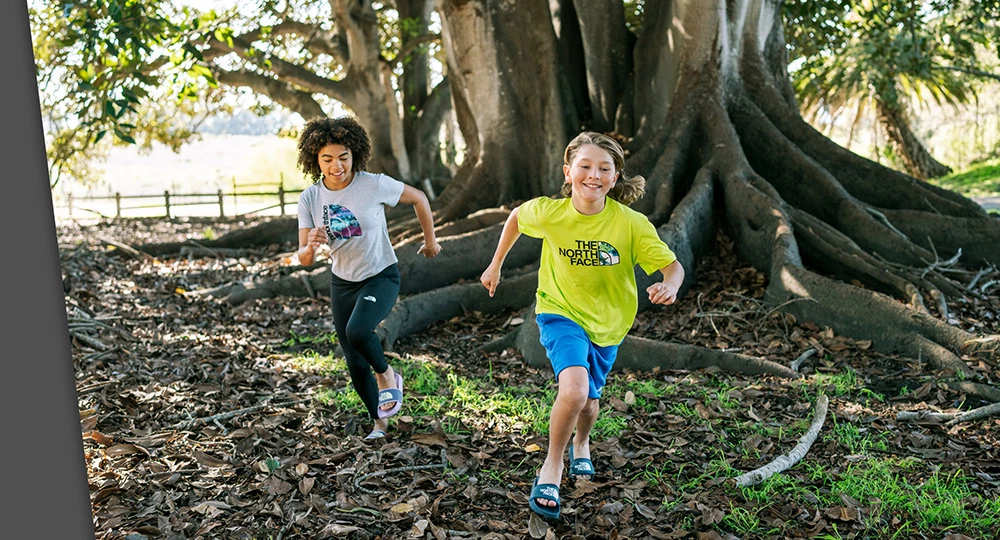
592, 174
335, 162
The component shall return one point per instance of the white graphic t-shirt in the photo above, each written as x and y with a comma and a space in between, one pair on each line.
354, 220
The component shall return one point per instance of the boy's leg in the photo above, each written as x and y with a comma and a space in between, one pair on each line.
601, 359
584, 423
571, 399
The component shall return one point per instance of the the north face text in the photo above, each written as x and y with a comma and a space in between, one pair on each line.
591, 253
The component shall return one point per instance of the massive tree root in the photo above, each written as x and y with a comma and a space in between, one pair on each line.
844, 242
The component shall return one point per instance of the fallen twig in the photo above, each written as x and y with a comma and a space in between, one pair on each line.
87, 340
135, 253
227, 415
786, 461
802, 358
951, 419
359, 479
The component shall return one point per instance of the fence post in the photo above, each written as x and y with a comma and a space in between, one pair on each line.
236, 207
281, 194
166, 202
118, 205
222, 212
69, 203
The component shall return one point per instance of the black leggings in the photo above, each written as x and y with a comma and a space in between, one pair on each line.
358, 307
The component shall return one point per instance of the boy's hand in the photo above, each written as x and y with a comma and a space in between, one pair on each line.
662, 293
490, 279
429, 251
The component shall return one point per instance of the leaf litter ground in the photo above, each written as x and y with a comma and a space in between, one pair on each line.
204, 420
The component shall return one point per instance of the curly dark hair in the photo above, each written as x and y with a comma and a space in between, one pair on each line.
319, 132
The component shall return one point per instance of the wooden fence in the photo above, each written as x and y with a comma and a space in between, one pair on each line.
225, 202
169, 201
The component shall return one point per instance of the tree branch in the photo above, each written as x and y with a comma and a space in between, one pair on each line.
297, 100
786, 461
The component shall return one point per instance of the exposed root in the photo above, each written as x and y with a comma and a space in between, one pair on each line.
274, 231
950, 419
982, 391
640, 354
856, 174
419, 311
297, 284
784, 462
839, 254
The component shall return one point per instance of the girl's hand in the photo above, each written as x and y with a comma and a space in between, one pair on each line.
429, 251
662, 293
490, 279
317, 237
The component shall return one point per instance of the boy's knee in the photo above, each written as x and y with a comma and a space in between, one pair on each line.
591, 406
574, 393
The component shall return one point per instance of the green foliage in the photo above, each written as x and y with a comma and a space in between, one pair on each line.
104, 68
979, 180
845, 54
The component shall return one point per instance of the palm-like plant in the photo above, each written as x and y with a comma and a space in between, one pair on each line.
888, 55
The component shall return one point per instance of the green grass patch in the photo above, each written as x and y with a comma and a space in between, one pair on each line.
941, 501
300, 339
508, 409
843, 383
979, 180
322, 364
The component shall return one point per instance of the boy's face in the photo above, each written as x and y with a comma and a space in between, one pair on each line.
592, 173
335, 160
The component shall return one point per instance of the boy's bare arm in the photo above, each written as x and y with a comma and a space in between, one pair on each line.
510, 234
665, 292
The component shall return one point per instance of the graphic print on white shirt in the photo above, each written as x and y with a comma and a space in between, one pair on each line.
340, 222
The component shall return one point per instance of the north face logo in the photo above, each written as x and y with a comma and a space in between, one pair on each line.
369, 298
550, 491
384, 395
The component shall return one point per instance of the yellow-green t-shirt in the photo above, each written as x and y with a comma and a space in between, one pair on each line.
587, 267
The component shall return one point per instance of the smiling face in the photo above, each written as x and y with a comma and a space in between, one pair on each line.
335, 161
591, 174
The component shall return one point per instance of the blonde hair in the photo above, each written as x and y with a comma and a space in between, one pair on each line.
628, 189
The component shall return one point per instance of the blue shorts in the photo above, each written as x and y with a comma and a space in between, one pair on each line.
567, 344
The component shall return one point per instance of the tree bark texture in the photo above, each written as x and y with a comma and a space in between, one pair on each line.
721, 142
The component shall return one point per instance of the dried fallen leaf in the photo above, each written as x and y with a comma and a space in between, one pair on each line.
429, 439
646, 511
207, 460
98, 438
336, 529
402, 508
630, 397
124, 450
532, 448
306, 485
537, 527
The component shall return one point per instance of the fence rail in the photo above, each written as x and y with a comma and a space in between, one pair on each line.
169, 201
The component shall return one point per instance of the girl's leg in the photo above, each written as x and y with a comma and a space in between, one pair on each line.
343, 297
584, 423
375, 299
571, 399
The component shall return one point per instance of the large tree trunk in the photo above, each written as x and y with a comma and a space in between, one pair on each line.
512, 103
843, 241
916, 159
